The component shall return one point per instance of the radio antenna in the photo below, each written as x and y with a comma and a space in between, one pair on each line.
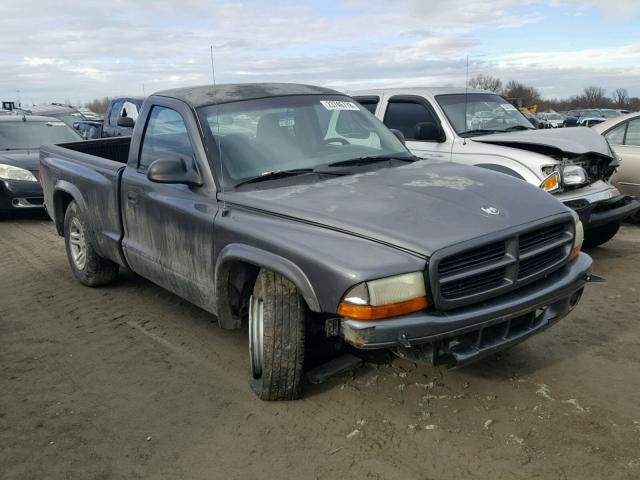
466, 100
219, 138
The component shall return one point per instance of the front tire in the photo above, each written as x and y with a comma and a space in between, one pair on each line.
277, 316
87, 266
599, 235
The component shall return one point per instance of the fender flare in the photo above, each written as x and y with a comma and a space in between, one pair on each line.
74, 192
501, 169
263, 259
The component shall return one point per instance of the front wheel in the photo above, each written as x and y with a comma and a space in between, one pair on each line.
87, 266
276, 338
599, 235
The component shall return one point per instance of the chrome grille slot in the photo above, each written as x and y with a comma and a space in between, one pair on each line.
470, 275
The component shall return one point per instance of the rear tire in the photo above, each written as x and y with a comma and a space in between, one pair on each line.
276, 338
87, 266
599, 235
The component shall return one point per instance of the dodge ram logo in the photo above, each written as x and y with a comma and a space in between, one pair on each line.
490, 210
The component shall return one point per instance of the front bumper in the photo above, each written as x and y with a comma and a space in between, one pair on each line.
455, 336
602, 211
18, 195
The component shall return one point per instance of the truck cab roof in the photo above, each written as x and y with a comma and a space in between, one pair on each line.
424, 91
204, 95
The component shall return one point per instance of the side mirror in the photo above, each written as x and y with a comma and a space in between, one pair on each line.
173, 170
126, 122
429, 132
398, 134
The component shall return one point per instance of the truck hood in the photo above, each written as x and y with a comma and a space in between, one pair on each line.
576, 140
420, 207
27, 159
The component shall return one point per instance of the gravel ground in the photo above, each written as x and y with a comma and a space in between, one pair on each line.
129, 381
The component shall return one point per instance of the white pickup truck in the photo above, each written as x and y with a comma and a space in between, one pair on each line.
481, 128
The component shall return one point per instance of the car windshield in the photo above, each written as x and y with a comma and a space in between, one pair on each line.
26, 135
553, 116
481, 113
304, 132
69, 118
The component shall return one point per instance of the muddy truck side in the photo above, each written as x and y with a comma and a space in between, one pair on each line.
240, 200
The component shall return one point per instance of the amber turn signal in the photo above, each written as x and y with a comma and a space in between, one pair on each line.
370, 312
575, 251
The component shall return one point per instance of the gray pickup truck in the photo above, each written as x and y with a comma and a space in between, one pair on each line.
238, 199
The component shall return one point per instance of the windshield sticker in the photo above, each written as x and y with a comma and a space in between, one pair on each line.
286, 122
508, 107
338, 105
55, 124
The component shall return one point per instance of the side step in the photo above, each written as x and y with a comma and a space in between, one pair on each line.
338, 365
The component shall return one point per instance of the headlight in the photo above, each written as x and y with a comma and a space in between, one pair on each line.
577, 240
574, 175
9, 172
551, 183
385, 298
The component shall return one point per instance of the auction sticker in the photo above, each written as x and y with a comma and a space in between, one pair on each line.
508, 107
338, 105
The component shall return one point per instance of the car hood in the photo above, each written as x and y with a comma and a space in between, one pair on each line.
420, 207
27, 159
578, 140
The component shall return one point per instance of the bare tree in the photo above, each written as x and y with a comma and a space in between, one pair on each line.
98, 105
620, 97
593, 97
486, 82
515, 90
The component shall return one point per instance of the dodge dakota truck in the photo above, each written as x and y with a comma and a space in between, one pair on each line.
481, 128
238, 199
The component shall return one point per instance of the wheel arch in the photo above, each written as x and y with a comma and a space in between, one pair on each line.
63, 194
236, 269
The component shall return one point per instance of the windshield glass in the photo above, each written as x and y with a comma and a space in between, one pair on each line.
259, 137
553, 116
69, 118
484, 111
26, 135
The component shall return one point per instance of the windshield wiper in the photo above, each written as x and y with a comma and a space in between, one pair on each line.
275, 175
518, 127
367, 160
478, 131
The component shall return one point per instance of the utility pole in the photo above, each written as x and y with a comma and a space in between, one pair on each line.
19, 104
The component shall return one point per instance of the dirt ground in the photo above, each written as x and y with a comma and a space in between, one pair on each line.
130, 382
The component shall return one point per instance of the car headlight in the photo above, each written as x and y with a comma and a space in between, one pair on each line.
574, 175
9, 172
577, 240
385, 297
551, 183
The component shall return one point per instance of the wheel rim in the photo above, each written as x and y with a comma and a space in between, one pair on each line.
256, 331
78, 244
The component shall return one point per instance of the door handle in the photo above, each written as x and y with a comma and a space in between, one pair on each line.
132, 198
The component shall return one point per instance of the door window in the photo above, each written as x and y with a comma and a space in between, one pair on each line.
633, 133
129, 110
404, 116
165, 137
115, 112
616, 136
370, 103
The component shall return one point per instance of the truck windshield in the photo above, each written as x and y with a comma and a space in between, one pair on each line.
481, 113
30, 135
295, 133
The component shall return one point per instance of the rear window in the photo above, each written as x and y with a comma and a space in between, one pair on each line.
32, 135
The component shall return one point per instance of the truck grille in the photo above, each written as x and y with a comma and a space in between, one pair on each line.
477, 273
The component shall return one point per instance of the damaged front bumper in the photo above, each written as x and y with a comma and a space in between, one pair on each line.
601, 207
459, 336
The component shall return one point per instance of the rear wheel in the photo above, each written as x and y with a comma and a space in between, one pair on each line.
599, 235
87, 266
276, 338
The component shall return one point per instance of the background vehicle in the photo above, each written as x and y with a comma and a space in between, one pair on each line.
20, 139
574, 165
242, 200
64, 113
118, 120
552, 119
623, 133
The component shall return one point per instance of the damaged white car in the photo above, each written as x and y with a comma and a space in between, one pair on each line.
482, 128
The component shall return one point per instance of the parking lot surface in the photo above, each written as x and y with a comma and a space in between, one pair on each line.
130, 382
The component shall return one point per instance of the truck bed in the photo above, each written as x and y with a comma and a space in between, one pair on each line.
89, 172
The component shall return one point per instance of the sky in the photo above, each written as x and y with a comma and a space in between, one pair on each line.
80, 50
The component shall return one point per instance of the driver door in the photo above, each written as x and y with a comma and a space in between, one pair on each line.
169, 227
